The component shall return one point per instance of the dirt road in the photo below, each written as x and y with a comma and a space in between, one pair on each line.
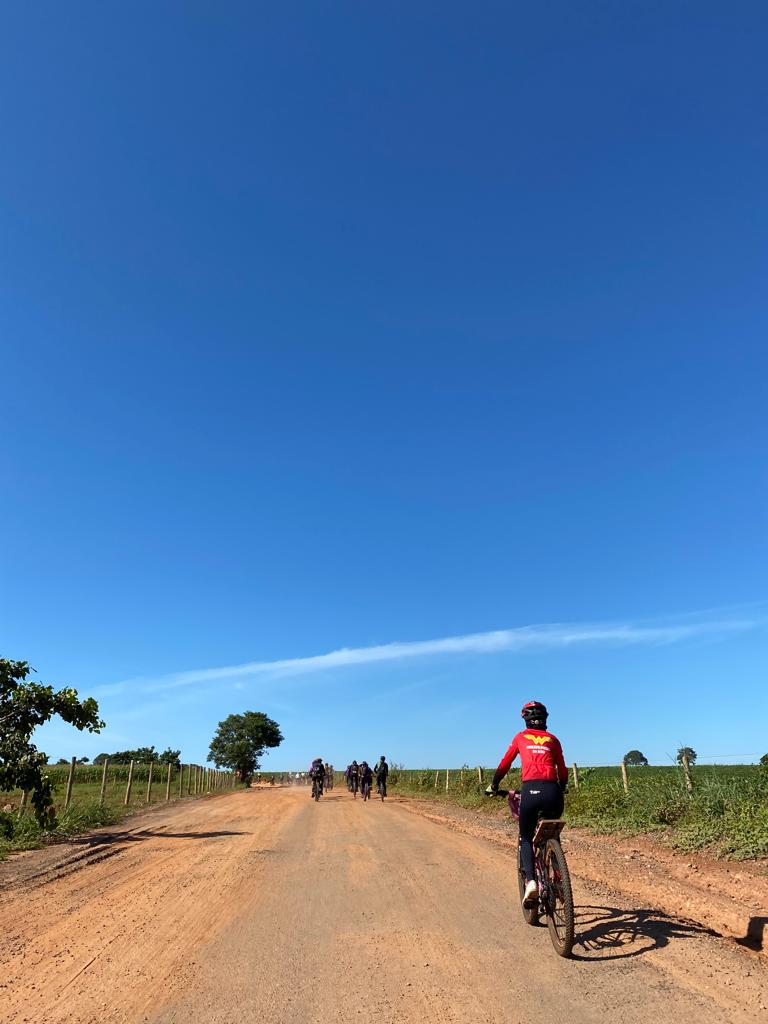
262, 906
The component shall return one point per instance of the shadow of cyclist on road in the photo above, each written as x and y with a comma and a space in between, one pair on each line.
611, 933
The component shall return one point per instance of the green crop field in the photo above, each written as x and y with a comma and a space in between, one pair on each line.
19, 830
727, 812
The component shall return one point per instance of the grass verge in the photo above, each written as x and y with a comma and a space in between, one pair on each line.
727, 813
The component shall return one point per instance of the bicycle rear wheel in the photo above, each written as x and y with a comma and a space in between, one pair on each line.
560, 919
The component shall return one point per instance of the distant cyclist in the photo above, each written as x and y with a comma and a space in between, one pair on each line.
381, 771
544, 781
366, 779
353, 778
317, 773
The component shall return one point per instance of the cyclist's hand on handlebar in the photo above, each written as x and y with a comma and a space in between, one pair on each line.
492, 790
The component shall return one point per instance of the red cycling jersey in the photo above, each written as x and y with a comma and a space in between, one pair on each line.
541, 757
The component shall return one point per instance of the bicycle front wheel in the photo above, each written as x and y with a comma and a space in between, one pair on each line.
560, 918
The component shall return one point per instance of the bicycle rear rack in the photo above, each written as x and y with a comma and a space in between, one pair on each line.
548, 828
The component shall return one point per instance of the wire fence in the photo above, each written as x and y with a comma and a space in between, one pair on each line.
127, 785
468, 780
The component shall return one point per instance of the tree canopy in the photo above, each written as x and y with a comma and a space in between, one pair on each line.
144, 755
688, 752
25, 705
635, 759
240, 740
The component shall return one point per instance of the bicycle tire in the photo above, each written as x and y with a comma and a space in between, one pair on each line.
560, 915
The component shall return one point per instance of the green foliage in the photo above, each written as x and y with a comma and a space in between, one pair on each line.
635, 759
727, 812
141, 755
27, 833
240, 741
764, 760
25, 705
689, 752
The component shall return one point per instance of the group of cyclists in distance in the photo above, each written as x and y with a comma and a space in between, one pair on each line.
358, 777
544, 781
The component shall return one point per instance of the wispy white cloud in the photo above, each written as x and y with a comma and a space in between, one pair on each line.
546, 637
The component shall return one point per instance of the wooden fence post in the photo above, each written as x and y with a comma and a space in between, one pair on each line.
575, 775
128, 786
687, 773
436, 775
70, 780
447, 773
480, 778
23, 804
624, 778
168, 784
181, 780
103, 781
149, 784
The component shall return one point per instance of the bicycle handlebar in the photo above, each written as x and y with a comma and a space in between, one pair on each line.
499, 792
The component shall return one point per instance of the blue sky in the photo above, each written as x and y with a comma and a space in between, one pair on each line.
332, 327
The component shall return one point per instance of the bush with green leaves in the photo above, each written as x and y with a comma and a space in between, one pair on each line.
25, 705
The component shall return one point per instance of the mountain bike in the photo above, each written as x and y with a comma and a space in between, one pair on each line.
365, 789
555, 899
381, 788
317, 789
353, 786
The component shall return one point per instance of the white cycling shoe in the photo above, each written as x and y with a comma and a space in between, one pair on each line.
531, 895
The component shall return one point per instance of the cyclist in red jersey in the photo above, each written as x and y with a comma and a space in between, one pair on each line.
544, 781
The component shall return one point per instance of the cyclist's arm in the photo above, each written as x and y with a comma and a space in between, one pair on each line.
505, 764
562, 769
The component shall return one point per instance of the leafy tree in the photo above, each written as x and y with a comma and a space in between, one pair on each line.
24, 705
764, 760
62, 760
144, 755
635, 759
689, 752
240, 741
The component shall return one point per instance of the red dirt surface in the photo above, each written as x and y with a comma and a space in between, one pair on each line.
264, 906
